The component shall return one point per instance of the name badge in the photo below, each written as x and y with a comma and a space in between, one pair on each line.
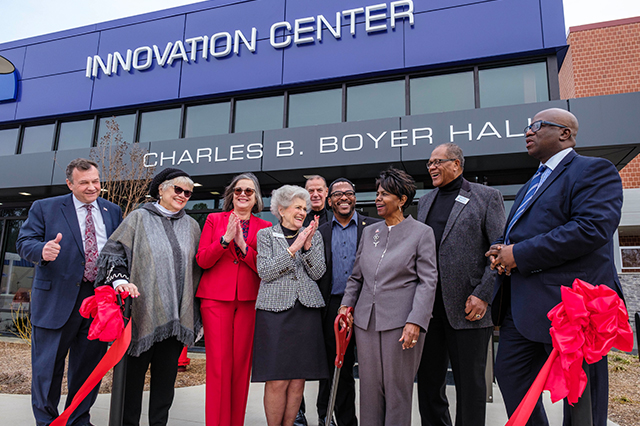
278, 235
462, 199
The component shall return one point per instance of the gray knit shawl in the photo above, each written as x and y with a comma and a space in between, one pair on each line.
159, 254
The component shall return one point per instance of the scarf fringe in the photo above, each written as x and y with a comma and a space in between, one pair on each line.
173, 328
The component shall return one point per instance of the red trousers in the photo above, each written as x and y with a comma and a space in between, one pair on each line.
228, 333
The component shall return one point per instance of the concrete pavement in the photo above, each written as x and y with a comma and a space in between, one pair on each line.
188, 408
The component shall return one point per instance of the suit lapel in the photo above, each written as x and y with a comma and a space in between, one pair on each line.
69, 213
423, 211
455, 212
552, 177
106, 217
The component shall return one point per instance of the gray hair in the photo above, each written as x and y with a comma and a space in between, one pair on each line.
314, 177
228, 193
284, 196
180, 180
454, 151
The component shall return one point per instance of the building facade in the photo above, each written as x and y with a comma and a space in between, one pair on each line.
291, 88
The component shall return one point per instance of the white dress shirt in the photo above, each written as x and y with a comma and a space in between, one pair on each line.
98, 222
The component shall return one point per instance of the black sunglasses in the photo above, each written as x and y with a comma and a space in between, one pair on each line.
179, 191
249, 191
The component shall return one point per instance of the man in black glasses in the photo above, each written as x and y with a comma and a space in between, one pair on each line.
465, 218
561, 227
341, 236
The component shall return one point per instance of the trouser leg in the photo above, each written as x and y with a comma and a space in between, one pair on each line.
468, 354
399, 368
164, 369
432, 376
518, 362
137, 367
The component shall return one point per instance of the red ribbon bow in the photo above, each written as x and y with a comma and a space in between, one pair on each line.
588, 322
107, 324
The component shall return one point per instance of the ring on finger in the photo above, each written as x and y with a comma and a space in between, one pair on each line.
478, 316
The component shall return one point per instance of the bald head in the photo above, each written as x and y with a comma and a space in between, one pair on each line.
556, 133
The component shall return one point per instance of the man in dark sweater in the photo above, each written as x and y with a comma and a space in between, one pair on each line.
465, 218
318, 191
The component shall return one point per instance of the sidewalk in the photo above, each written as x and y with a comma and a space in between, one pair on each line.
188, 408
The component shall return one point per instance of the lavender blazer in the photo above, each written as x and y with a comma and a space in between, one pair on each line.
396, 270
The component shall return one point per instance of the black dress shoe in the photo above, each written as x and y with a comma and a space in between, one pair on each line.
300, 420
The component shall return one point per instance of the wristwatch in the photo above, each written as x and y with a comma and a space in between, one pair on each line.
223, 242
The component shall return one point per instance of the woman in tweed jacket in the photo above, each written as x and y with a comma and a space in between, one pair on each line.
288, 343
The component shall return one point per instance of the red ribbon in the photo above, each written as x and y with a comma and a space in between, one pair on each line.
588, 322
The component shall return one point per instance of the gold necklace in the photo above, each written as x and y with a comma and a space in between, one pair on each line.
292, 236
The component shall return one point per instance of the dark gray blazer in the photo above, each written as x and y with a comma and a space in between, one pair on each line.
285, 279
397, 271
464, 270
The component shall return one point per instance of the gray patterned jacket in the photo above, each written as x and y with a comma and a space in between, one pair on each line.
285, 279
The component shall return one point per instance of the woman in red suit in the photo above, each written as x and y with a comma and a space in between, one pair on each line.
228, 291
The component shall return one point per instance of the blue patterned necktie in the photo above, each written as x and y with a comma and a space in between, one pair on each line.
533, 187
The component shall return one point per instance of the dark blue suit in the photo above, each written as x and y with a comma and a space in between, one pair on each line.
565, 233
56, 295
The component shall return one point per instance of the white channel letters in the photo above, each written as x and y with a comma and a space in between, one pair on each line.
377, 18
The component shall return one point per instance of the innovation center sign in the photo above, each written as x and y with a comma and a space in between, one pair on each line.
302, 31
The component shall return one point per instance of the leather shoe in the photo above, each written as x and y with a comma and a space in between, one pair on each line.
300, 420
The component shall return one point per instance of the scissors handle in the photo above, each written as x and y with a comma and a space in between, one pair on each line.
343, 336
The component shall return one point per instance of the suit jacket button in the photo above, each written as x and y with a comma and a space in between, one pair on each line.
77, 284
235, 261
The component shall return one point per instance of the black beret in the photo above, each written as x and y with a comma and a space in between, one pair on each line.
163, 176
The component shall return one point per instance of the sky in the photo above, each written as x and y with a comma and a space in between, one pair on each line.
27, 18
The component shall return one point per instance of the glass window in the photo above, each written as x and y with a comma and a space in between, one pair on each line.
75, 134
126, 125
160, 125
259, 114
313, 108
17, 276
377, 100
441, 93
8, 139
520, 84
37, 138
208, 120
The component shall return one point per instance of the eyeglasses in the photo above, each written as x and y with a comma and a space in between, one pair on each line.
536, 125
179, 191
340, 194
248, 191
438, 162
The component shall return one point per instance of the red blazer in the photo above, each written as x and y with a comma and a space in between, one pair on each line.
225, 272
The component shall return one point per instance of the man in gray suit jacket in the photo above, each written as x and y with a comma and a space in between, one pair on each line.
465, 217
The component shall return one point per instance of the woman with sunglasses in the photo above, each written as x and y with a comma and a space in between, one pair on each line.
227, 294
152, 255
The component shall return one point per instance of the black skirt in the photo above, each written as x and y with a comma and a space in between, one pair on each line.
289, 345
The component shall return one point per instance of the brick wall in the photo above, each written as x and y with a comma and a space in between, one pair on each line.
604, 59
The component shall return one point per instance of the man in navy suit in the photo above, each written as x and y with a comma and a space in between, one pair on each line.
561, 227
55, 237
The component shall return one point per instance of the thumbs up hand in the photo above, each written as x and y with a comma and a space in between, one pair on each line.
51, 249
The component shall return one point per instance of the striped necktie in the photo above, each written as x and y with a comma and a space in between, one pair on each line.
533, 187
